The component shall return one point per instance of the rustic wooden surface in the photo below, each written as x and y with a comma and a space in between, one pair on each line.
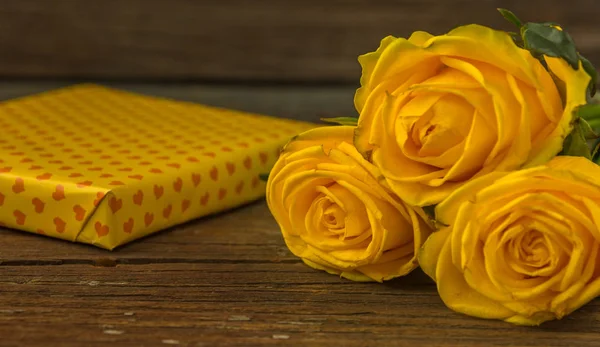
274, 40
228, 280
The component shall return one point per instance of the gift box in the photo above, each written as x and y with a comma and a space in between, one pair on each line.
100, 166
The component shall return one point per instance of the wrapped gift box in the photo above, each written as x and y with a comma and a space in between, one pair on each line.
104, 167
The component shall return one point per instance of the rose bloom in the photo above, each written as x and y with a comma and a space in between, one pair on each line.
520, 246
437, 111
336, 216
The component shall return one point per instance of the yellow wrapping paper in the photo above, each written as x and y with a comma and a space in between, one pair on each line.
104, 167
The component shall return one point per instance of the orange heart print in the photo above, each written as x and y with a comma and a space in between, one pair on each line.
84, 175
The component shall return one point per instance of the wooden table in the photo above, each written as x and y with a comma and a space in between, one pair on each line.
228, 280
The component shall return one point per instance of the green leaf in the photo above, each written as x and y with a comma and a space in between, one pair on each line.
575, 144
548, 40
589, 132
509, 16
591, 70
263, 177
589, 112
552, 24
596, 152
341, 120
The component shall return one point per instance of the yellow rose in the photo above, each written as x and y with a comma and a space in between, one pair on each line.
335, 215
437, 111
520, 246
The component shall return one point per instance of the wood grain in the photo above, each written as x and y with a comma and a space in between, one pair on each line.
236, 40
309, 103
229, 280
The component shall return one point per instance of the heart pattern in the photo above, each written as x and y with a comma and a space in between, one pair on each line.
239, 187
19, 217
19, 186
158, 191
263, 156
151, 168
115, 204
248, 163
196, 178
204, 199
60, 225
59, 193
222, 193
38, 205
138, 198
178, 184
84, 184
185, 204
214, 173
230, 168
167, 211
44, 176
148, 218
101, 229
79, 213
128, 226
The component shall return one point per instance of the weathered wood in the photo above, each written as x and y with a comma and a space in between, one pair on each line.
229, 280
289, 101
309, 40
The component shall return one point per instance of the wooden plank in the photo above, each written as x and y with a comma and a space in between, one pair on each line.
308, 40
246, 304
289, 101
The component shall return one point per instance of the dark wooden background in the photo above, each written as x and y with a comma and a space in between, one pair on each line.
295, 41
229, 280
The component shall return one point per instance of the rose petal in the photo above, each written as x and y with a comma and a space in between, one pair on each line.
368, 62
420, 38
576, 83
429, 255
493, 47
383, 271
446, 211
325, 137
459, 296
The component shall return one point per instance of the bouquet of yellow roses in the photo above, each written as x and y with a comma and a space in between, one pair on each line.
474, 157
